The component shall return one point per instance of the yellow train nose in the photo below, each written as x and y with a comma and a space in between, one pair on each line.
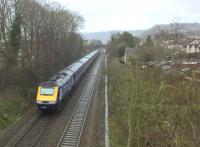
46, 94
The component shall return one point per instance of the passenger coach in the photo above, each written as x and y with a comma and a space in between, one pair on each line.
52, 92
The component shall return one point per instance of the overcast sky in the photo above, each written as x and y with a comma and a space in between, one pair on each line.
104, 15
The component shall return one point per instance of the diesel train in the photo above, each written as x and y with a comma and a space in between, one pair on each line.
51, 93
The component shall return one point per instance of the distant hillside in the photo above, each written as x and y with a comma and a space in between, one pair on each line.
105, 36
189, 29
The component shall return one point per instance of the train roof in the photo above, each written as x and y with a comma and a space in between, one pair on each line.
83, 60
91, 54
60, 78
75, 66
63, 78
49, 84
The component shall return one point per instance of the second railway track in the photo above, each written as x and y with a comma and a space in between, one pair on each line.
72, 134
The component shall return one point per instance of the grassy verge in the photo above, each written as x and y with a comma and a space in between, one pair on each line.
12, 106
147, 108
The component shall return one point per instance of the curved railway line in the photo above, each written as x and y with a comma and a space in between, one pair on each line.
69, 125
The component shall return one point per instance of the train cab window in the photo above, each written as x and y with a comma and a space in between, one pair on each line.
47, 91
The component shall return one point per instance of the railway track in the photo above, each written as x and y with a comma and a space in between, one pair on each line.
72, 134
24, 130
31, 137
31, 133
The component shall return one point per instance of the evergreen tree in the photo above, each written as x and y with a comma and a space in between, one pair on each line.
14, 40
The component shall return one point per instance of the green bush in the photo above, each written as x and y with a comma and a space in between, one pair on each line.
12, 106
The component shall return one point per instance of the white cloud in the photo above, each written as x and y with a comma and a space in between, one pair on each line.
132, 14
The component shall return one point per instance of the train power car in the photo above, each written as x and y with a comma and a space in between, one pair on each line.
51, 93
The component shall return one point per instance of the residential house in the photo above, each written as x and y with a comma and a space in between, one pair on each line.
193, 47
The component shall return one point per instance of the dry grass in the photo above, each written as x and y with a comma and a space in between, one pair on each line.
149, 109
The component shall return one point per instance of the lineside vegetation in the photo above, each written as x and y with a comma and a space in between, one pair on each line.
147, 108
37, 39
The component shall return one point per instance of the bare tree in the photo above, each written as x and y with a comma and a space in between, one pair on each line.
177, 34
40, 36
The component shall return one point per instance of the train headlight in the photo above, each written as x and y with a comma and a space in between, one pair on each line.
39, 102
52, 102
46, 102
